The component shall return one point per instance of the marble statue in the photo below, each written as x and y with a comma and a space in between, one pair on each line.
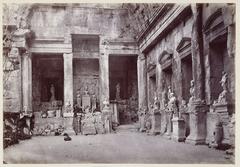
156, 103
106, 104
192, 92
68, 107
222, 98
118, 92
172, 104
52, 91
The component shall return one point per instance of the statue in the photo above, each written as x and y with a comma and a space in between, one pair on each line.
192, 92
156, 103
68, 107
118, 92
52, 91
106, 104
222, 98
86, 90
169, 92
172, 104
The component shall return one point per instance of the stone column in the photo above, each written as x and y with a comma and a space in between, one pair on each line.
68, 78
142, 81
27, 82
142, 90
68, 93
197, 108
104, 72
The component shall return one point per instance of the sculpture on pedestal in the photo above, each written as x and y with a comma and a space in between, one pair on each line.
222, 98
192, 92
52, 91
172, 104
118, 92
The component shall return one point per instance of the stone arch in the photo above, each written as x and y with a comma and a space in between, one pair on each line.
213, 21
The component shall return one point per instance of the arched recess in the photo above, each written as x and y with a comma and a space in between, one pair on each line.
184, 52
215, 45
165, 59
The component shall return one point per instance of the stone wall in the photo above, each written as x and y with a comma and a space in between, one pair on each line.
170, 42
86, 74
52, 21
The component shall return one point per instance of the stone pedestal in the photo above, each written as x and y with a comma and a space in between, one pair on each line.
179, 129
212, 119
197, 122
86, 101
68, 123
156, 123
169, 124
185, 117
142, 123
107, 119
163, 122
223, 111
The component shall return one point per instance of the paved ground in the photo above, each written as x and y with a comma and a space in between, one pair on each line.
122, 147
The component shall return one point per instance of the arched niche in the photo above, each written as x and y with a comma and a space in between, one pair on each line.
184, 52
214, 25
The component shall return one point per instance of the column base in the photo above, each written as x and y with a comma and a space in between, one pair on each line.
68, 124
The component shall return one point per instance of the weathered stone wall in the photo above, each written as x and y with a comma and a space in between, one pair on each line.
220, 50
52, 21
170, 42
86, 74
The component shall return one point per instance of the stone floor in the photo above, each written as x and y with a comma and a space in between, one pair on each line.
125, 146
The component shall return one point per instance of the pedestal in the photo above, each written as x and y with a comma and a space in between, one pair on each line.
223, 111
163, 122
179, 129
68, 123
169, 125
156, 123
107, 119
197, 123
142, 123
185, 117
212, 119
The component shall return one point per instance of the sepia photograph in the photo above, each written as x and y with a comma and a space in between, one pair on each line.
118, 83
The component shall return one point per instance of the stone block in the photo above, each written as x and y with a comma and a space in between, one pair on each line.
68, 125
179, 129
185, 117
156, 124
223, 111
197, 122
212, 119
